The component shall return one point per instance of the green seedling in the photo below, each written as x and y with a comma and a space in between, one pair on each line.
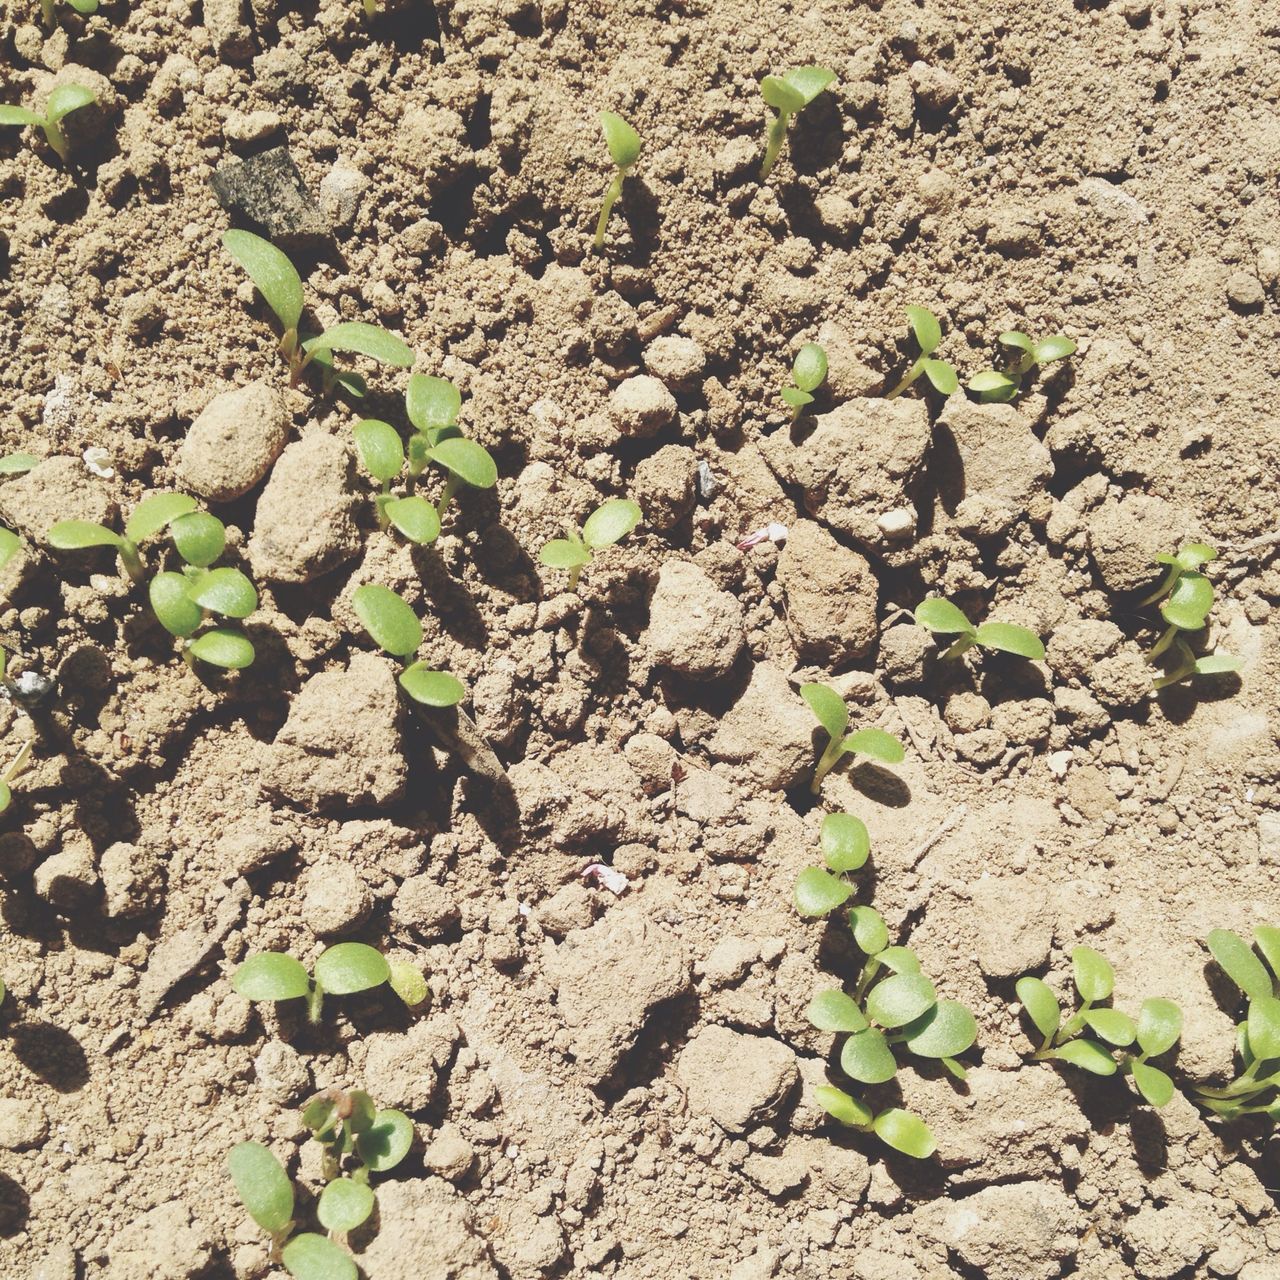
1002, 385
1089, 1037
845, 848
893, 1005
833, 716
924, 324
65, 99
808, 373
1186, 596
17, 464
786, 94
432, 405
11, 771
608, 523
382, 454
1256, 1089
348, 1125
944, 618
624, 150
281, 287
83, 7
395, 629
265, 1189
341, 970
151, 516
9, 544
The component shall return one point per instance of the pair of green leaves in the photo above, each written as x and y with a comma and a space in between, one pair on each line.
941, 617
278, 282
808, 372
833, 716
607, 524
786, 94
845, 846
347, 1123
396, 630
896, 1127
1001, 385
1186, 597
928, 334
1155, 1032
65, 99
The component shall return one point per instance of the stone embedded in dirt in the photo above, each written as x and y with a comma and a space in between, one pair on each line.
1014, 922
857, 464
641, 406
69, 878
694, 628
435, 139
341, 745
663, 485
1125, 536
1170, 1240
253, 842
132, 878
306, 517
936, 88
335, 899
18, 854
1003, 472
769, 731
56, 489
340, 192
280, 1071
1123, 680
680, 362
425, 1229
426, 907
168, 1232
23, 1124
404, 1069
229, 33
586, 795
267, 191
830, 597
1079, 644
449, 1154
233, 442
569, 908
609, 979
740, 1081
904, 648
1022, 1231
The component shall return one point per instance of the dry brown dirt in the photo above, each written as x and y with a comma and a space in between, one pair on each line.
621, 1085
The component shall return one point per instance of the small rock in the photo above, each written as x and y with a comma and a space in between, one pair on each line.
838, 214
168, 1231
935, 88
1245, 292
829, 597
23, 1124
1014, 922
937, 190
252, 843
663, 485
233, 442
678, 361
1171, 1240
281, 1072
229, 34
335, 899
306, 518
140, 316
340, 192
769, 731
740, 1081
425, 907
267, 191
18, 854
694, 628
69, 878
567, 909
133, 878
641, 406
53, 490
898, 525
248, 128
435, 137
1012, 230
449, 1154
738, 158
1123, 680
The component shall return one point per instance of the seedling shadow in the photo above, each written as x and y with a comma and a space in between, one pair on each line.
1179, 702
642, 213
452, 603
52, 1054
880, 784
1150, 1140
816, 138
15, 1207
502, 562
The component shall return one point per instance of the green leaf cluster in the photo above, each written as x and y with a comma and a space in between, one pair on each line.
942, 617
808, 373
1092, 1034
1002, 385
395, 629
1185, 597
432, 405
608, 523
624, 145
928, 334
833, 716
786, 94
65, 99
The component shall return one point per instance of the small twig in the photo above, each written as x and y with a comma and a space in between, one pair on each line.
953, 819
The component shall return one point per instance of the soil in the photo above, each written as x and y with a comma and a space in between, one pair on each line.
620, 1083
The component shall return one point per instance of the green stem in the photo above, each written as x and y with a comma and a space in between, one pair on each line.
380, 505
911, 375
777, 132
574, 574
1167, 584
963, 645
57, 139
826, 762
1162, 644
315, 1000
46, 8
370, 8
612, 192
451, 486
131, 559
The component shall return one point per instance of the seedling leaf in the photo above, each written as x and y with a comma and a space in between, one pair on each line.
415, 517
1264, 1028
796, 398
19, 115
1010, 639
408, 982
14, 464
199, 538
272, 273
835, 1011
900, 999
943, 617
1189, 602
943, 376
1041, 1005
1236, 959
809, 368
1095, 979
560, 553
844, 841
622, 140
362, 339
67, 98
828, 706
1154, 1085
899, 959
867, 1058
1013, 338
154, 512
842, 1106
809, 81
9, 543
1192, 556
991, 380
905, 1132
818, 892
74, 535
263, 1185
386, 1142
225, 591
271, 975
610, 522
177, 613
392, 624
875, 744
312, 1257
349, 967
1217, 664
466, 460
431, 403
1268, 939
1112, 1026
432, 688
780, 95
1056, 347
1159, 1026
344, 1205
925, 326
227, 649
943, 1031
1087, 1055
869, 930
380, 446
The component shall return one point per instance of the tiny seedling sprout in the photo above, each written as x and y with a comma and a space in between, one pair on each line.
608, 523
808, 373
946, 619
786, 94
1002, 385
833, 716
432, 405
395, 629
1087, 1037
83, 7
278, 281
65, 99
11, 771
150, 516
924, 324
845, 848
1186, 596
382, 454
347, 1123
624, 150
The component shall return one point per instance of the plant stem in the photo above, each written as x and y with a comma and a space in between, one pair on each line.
131, 560
380, 505
612, 192
1167, 584
451, 486
19, 763
46, 9
370, 8
315, 1000
911, 375
57, 139
826, 762
1162, 644
777, 131
963, 645
574, 575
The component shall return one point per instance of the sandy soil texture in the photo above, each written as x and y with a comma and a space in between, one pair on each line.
620, 1084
